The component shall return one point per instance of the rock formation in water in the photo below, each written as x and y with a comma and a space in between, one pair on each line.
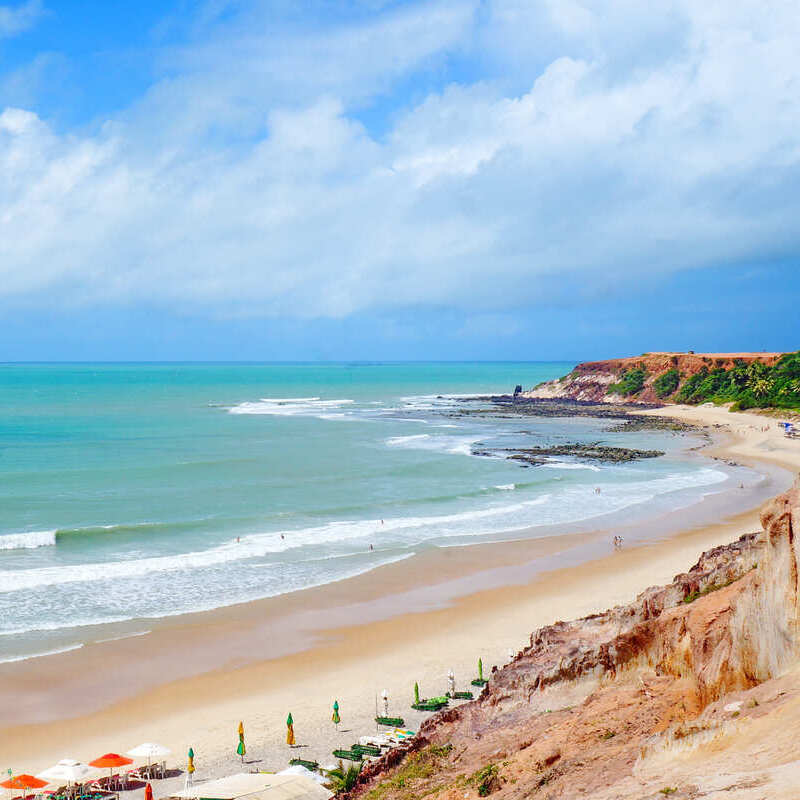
689, 691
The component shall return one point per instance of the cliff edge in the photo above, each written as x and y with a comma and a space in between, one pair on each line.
689, 691
660, 377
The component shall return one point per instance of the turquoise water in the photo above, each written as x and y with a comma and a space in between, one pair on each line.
140, 491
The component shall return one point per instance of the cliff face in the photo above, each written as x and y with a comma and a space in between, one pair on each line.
592, 705
591, 380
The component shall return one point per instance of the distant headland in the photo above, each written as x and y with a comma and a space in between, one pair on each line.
747, 380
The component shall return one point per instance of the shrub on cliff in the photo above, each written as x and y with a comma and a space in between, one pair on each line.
666, 383
631, 382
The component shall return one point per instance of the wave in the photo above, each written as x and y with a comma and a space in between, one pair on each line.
28, 540
506, 487
453, 445
293, 407
228, 600
134, 635
10, 659
570, 465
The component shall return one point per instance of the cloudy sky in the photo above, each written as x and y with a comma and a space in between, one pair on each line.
371, 179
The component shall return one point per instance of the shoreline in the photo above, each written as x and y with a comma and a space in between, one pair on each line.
203, 702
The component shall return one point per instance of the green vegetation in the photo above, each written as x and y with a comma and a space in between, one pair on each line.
342, 780
630, 382
486, 779
713, 587
754, 385
666, 383
416, 768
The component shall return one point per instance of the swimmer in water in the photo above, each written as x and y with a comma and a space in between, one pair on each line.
371, 547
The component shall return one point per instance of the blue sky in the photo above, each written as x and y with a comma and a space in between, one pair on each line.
449, 179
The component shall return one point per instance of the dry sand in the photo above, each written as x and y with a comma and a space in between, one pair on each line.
172, 687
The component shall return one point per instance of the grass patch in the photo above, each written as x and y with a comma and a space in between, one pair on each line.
416, 769
486, 779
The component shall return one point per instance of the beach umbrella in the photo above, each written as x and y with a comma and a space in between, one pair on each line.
148, 792
241, 749
23, 782
480, 669
451, 680
335, 718
189, 769
112, 761
290, 730
68, 770
385, 696
150, 751
416, 692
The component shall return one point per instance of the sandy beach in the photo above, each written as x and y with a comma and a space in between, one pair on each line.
191, 679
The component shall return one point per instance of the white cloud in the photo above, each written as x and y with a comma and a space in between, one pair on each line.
611, 162
17, 19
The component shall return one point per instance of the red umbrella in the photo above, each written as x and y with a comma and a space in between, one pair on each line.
148, 792
23, 782
111, 760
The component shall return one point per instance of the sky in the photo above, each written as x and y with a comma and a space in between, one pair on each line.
366, 179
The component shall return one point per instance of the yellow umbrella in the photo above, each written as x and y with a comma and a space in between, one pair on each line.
290, 730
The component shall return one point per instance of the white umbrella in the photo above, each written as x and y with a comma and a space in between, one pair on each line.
149, 750
67, 770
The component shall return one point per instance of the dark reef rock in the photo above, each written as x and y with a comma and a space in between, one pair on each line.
593, 451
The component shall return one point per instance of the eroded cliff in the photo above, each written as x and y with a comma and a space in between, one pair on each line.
656, 697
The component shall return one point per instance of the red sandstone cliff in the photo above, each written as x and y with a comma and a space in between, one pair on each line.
655, 696
591, 379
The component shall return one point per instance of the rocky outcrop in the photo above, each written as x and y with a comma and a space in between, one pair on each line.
579, 710
593, 380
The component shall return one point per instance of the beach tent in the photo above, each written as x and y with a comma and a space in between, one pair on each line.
256, 786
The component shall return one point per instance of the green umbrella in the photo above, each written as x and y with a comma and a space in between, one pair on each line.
241, 749
480, 668
416, 692
336, 718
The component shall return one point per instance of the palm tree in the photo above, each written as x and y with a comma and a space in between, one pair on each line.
343, 780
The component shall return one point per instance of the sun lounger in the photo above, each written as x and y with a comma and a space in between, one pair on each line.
479, 682
380, 740
349, 755
391, 722
366, 749
302, 762
462, 696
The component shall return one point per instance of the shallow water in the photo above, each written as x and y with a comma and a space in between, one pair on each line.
142, 491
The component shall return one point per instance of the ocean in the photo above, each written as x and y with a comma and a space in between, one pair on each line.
130, 492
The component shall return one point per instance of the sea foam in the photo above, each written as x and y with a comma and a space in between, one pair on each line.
28, 540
